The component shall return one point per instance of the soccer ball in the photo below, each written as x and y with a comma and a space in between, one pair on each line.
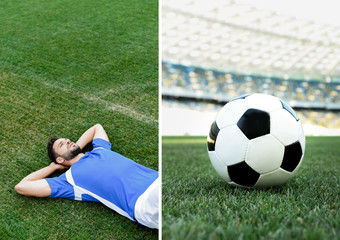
256, 140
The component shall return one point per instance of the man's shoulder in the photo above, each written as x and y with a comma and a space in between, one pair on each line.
60, 187
101, 143
59, 179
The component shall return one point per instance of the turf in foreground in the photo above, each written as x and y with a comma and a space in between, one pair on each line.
198, 204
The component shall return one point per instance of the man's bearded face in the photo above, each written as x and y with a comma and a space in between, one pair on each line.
66, 149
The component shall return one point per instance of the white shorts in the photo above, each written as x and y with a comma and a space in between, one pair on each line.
146, 208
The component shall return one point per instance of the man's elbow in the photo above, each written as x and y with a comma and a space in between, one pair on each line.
33, 188
20, 188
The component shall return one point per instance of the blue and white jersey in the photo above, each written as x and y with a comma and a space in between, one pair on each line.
104, 176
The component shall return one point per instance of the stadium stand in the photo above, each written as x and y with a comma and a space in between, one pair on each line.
214, 51
316, 102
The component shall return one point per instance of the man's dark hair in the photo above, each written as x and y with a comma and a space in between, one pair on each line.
50, 151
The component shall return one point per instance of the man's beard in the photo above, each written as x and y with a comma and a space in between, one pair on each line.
72, 153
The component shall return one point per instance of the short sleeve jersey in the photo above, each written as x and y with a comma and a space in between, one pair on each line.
105, 176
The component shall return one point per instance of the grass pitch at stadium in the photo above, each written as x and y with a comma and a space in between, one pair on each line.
198, 204
65, 66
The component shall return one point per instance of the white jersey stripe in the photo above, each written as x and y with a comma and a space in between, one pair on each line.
98, 148
77, 193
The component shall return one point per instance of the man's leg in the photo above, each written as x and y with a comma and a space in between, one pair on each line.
146, 208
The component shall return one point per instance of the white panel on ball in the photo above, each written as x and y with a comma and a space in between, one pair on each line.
284, 127
302, 140
302, 137
263, 102
264, 154
220, 168
277, 177
231, 113
231, 145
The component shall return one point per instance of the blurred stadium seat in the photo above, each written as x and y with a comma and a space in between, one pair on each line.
316, 102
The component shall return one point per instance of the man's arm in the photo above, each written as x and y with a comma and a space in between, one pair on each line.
97, 131
34, 184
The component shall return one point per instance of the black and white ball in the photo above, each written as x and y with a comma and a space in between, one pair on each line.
256, 140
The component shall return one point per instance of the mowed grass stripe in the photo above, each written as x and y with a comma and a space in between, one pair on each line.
48, 111
88, 46
108, 105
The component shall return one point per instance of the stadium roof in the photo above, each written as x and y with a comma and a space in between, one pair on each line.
236, 37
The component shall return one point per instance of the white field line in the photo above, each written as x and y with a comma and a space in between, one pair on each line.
108, 105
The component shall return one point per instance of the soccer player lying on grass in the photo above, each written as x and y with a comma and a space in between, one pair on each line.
101, 175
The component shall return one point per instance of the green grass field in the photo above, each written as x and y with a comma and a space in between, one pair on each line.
198, 204
64, 66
